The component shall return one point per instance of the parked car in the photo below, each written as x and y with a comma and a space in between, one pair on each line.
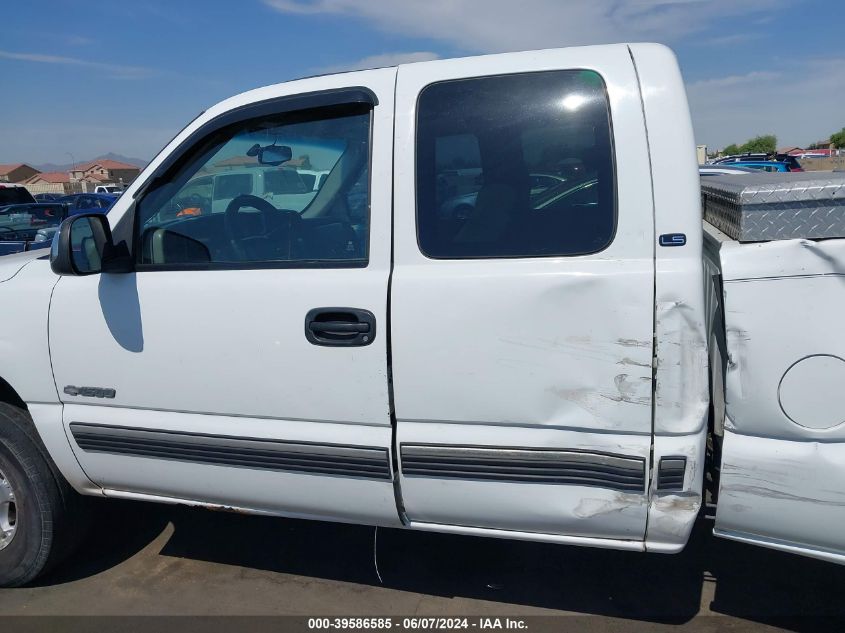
116, 189
80, 202
25, 227
13, 193
213, 193
312, 178
791, 162
459, 207
733, 158
723, 170
769, 165
585, 368
47, 197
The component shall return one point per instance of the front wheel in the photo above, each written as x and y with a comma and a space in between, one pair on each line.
35, 522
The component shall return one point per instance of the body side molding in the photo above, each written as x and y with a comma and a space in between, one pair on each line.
301, 457
524, 465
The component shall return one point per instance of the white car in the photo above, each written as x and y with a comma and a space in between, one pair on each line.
108, 189
313, 177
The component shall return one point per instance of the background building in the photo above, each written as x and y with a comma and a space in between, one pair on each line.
17, 172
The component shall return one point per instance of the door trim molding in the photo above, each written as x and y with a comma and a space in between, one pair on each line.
340, 460
525, 465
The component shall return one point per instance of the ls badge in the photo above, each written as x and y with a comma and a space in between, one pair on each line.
673, 239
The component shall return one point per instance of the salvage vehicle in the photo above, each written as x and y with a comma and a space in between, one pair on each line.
91, 202
723, 170
109, 189
13, 193
580, 367
764, 165
26, 227
790, 162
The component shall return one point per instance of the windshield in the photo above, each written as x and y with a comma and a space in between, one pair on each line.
14, 195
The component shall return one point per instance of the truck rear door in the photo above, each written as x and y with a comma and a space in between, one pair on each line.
522, 296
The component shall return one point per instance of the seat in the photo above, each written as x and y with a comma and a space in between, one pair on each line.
493, 213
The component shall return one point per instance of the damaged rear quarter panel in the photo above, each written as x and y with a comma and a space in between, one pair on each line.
781, 478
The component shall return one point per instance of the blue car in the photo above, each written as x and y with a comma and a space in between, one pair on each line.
27, 227
84, 202
763, 165
47, 197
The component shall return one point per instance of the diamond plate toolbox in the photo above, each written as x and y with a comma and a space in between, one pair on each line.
776, 206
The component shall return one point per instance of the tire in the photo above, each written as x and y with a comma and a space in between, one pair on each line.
36, 503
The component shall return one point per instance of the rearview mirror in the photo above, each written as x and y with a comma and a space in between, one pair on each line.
83, 244
273, 155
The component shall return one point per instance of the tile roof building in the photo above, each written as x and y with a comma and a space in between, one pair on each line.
17, 172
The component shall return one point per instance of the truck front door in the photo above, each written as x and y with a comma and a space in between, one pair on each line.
244, 361
522, 296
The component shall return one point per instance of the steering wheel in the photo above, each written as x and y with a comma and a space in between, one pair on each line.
8, 230
234, 225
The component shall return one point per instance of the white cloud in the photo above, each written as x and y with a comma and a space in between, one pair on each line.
755, 77
505, 25
113, 71
800, 103
380, 61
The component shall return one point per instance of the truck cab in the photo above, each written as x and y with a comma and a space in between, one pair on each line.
535, 367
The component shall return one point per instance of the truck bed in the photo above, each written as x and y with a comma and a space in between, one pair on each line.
781, 352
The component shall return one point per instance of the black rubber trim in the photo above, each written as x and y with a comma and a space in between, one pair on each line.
670, 473
525, 465
301, 457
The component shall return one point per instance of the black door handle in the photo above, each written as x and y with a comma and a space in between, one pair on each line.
340, 327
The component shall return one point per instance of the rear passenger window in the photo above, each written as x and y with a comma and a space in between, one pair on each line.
515, 166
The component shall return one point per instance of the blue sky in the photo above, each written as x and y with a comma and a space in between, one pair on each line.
124, 76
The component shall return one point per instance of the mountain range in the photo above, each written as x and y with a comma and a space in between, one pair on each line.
47, 167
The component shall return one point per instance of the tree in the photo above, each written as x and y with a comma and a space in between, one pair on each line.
838, 138
766, 144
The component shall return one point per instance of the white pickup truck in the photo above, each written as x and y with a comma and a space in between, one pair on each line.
540, 366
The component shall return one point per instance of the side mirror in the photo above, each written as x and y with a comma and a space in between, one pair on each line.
83, 246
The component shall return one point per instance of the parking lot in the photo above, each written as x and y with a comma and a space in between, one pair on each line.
167, 560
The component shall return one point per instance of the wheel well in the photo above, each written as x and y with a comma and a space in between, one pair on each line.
8, 394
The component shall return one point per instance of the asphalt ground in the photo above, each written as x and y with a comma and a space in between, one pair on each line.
149, 559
